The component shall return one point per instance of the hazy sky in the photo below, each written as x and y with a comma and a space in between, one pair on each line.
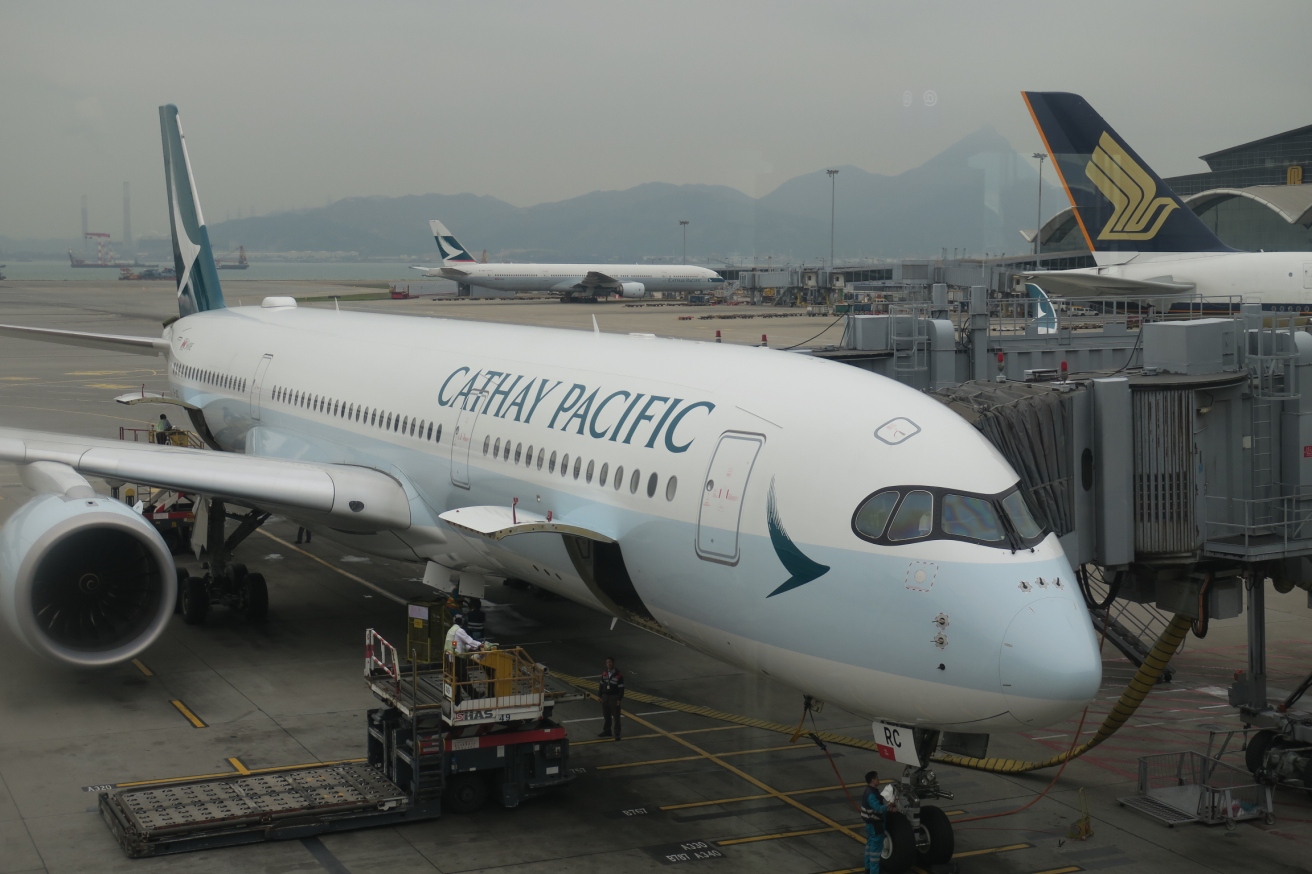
293, 104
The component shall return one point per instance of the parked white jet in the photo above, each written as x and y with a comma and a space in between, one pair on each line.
899, 575
590, 280
1145, 240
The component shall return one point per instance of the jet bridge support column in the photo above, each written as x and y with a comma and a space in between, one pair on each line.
1251, 690
979, 332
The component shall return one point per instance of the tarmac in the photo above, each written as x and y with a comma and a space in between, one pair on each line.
680, 789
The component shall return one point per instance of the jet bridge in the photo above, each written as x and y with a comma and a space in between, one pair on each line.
1213, 496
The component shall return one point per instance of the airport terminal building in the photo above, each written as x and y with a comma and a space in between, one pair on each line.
1254, 197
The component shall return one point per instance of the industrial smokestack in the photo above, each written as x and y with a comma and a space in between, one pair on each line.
84, 221
127, 214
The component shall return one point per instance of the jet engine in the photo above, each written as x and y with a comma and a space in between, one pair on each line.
84, 580
633, 289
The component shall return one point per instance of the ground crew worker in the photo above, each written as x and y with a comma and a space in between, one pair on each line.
873, 813
458, 642
162, 429
475, 619
611, 691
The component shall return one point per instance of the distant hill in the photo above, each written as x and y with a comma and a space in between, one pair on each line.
975, 196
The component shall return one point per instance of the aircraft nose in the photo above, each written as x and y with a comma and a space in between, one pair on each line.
1049, 664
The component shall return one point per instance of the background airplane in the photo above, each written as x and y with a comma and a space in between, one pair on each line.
583, 280
1145, 240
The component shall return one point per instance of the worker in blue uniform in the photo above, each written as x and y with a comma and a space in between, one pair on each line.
873, 812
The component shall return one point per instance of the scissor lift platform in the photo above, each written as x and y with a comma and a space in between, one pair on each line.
418, 766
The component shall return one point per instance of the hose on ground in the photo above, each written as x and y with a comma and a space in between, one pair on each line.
1148, 674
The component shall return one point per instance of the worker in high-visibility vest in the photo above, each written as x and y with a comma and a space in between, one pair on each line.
458, 642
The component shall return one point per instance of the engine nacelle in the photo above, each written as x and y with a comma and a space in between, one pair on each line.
633, 289
84, 580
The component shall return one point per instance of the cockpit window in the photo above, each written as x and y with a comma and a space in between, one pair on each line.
972, 518
915, 517
1018, 512
917, 513
872, 518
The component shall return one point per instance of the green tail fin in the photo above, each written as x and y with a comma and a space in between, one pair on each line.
193, 260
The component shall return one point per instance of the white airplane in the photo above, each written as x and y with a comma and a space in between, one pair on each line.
572, 280
1145, 240
898, 575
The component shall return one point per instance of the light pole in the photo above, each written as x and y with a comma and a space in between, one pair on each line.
833, 189
684, 224
1038, 211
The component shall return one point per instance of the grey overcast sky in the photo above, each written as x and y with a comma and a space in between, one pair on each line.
292, 104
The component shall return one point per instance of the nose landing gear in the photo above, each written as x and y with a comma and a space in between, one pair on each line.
915, 833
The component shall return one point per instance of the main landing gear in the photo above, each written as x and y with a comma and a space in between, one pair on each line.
225, 583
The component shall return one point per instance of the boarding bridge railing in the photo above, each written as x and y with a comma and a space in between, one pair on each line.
1258, 529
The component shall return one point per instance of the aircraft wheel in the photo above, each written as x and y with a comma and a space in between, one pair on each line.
942, 843
465, 793
257, 597
195, 601
899, 844
182, 584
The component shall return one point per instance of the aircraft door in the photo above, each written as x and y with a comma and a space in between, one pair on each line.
257, 385
723, 489
462, 438
1307, 274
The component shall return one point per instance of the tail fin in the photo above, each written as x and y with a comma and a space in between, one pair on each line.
1120, 203
1045, 313
452, 251
193, 261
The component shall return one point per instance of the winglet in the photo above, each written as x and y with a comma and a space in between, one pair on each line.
193, 260
595, 329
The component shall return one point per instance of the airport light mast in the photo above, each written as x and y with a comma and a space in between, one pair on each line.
1038, 211
683, 223
833, 190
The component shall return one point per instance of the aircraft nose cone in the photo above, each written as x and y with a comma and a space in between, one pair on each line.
1049, 664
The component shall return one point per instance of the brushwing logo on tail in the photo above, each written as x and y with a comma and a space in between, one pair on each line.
1139, 214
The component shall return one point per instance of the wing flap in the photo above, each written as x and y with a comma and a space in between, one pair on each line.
347, 497
151, 346
497, 523
597, 278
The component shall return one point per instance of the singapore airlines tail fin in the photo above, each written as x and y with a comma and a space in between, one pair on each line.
1120, 203
451, 250
193, 261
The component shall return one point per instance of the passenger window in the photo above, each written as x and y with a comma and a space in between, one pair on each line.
487, 441
633, 482
601, 479
619, 477
651, 485
437, 438
915, 517
564, 464
541, 453
671, 487
506, 456
430, 431
496, 448
528, 456
971, 517
872, 518
578, 466
518, 448
591, 466
1019, 514
551, 463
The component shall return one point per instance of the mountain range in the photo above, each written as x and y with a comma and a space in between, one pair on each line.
975, 196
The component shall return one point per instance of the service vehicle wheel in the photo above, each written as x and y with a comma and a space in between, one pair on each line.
195, 601
256, 604
465, 793
899, 844
1255, 754
938, 831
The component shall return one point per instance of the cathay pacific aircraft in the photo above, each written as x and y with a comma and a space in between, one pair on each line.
571, 280
669, 483
1145, 240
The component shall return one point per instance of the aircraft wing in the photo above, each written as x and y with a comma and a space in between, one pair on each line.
346, 497
596, 279
151, 346
1083, 286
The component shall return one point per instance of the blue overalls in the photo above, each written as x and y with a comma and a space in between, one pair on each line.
873, 802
